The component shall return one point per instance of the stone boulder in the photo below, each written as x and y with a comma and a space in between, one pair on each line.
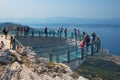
19, 72
28, 66
6, 56
29, 53
26, 50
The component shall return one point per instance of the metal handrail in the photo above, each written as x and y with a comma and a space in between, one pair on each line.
17, 41
68, 50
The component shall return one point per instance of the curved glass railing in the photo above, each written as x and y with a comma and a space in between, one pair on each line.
64, 52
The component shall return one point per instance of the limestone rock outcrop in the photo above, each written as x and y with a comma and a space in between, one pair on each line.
32, 67
6, 57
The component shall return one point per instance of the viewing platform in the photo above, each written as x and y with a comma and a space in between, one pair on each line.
56, 45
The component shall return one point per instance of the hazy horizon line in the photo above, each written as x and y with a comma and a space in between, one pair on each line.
61, 17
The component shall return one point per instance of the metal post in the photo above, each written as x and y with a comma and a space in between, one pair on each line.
71, 36
76, 36
39, 34
60, 34
68, 55
99, 43
50, 57
97, 46
80, 36
66, 35
92, 49
53, 33
57, 55
17, 34
76, 49
82, 54
32, 33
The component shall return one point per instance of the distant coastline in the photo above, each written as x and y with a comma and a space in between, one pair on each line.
62, 20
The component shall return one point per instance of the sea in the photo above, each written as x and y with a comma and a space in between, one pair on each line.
108, 33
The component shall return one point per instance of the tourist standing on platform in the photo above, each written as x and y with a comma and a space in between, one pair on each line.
65, 32
46, 31
21, 30
97, 43
11, 42
14, 43
94, 36
94, 40
79, 35
5, 32
2, 45
17, 31
87, 39
83, 34
25, 31
61, 30
28, 31
75, 32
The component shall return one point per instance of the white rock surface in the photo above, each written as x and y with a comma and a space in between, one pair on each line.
34, 68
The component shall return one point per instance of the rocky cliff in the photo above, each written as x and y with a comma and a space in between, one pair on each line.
25, 65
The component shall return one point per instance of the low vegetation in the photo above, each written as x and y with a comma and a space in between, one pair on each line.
96, 68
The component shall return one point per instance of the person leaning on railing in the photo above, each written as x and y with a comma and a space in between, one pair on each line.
14, 42
82, 44
87, 39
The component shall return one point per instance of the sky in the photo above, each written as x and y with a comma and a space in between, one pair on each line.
60, 8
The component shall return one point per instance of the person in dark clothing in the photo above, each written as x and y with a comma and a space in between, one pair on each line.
65, 32
93, 36
75, 32
83, 34
5, 32
11, 42
87, 39
28, 31
14, 43
46, 31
